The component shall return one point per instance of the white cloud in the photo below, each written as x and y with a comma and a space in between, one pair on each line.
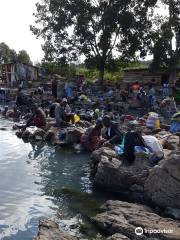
15, 19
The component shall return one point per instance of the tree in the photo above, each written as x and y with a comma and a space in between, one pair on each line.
23, 57
7, 54
94, 28
168, 30
60, 68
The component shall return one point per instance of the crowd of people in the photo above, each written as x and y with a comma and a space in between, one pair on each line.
105, 130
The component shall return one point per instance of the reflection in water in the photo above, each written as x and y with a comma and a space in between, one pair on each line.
41, 181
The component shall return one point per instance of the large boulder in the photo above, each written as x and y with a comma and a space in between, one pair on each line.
169, 141
31, 134
134, 222
98, 155
26, 135
38, 135
73, 135
49, 230
109, 172
163, 184
51, 136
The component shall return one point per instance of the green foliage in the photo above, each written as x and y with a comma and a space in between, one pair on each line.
94, 29
23, 57
114, 72
60, 68
167, 30
7, 54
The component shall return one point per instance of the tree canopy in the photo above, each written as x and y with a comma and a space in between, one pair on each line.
96, 29
24, 57
165, 37
7, 54
10, 55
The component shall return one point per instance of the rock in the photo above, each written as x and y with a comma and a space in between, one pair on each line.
137, 188
96, 157
15, 127
74, 135
19, 134
50, 137
26, 135
3, 129
109, 172
162, 186
169, 141
124, 218
167, 152
118, 236
49, 230
172, 213
38, 135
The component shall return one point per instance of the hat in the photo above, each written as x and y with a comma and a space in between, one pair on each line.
64, 100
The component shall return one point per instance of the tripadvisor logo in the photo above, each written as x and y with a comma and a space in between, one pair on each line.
139, 231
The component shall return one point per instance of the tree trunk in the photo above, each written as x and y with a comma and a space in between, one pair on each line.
102, 71
101, 77
173, 65
172, 76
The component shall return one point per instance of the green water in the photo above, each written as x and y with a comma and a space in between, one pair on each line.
43, 181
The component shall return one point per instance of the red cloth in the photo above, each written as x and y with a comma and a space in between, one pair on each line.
39, 122
93, 140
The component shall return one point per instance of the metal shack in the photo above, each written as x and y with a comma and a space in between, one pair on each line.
13, 74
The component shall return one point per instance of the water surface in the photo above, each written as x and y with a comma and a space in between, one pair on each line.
42, 181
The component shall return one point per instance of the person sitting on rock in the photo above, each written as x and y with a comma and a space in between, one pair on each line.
155, 147
63, 114
132, 139
113, 133
92, 138
52, 107
38, 118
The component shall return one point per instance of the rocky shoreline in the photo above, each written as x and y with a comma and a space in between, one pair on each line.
158, 185
49, 230
121, 220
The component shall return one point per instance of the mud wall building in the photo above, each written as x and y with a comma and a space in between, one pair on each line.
145, 76
13, 74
